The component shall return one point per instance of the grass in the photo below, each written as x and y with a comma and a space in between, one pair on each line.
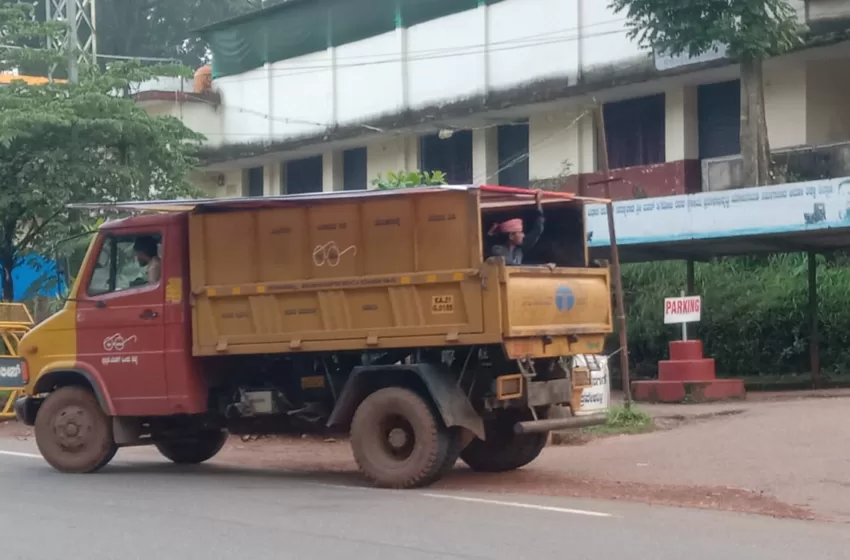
622, 420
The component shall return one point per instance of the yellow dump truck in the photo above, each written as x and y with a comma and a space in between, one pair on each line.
378, 313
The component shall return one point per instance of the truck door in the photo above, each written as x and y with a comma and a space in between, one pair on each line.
120, 326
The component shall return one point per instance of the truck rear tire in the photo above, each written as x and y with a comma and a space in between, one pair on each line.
194, 449
503, 450
453, 454
398, 441
72, 432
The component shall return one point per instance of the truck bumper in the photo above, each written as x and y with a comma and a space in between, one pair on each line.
538, 426
26, 409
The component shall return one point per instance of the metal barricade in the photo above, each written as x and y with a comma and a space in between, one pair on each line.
15, 322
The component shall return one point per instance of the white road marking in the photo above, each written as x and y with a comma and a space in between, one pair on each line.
518, 505
340, 486
19, 454
537, 507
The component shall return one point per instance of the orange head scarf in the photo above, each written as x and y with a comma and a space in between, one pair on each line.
510, 226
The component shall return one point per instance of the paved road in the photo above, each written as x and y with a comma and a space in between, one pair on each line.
141, 507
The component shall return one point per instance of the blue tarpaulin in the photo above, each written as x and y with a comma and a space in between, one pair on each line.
36, 276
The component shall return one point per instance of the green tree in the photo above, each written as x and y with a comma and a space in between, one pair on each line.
751, 30
70, 143
409, 179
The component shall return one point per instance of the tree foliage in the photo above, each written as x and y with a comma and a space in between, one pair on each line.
750, 30
19, 27
755, 316
66, 143
756, 28
408, 179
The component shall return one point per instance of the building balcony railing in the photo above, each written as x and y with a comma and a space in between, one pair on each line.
802, 163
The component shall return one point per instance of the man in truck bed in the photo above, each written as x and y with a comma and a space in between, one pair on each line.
515, 242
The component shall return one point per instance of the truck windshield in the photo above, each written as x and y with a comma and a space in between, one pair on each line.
70, 253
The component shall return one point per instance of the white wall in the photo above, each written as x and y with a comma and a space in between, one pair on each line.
785, 102
200, 117
219, 184
827, 9
560, 145
533, 40
369, 79
828, 106
446, 58
246, 108
602, 37
491, 48
394, 153
165, 83
301, 92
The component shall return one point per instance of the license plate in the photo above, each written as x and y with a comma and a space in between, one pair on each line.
12, 372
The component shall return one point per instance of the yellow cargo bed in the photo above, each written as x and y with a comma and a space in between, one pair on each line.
404, 269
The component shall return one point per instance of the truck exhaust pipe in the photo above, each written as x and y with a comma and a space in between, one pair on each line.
538, 426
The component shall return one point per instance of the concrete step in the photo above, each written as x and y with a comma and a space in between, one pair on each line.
688, 391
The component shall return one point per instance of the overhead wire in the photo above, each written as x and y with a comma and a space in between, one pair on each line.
305, 69
522, 156
538, 39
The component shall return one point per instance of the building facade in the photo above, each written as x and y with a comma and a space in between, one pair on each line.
495, 91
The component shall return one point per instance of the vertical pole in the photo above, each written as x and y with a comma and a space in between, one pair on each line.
93, 25
71, 17
689, 281
689, 290
616, 275
814, 339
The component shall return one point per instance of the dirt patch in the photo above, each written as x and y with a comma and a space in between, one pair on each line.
535, 482
660, 423
311, 456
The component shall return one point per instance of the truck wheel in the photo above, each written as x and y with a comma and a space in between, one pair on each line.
503, 450
194, 449
72, 432
398, 441
453, 453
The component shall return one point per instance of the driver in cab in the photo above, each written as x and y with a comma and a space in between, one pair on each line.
146, 251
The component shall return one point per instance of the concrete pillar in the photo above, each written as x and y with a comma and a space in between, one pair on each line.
272, 178
587, 155
411, 157
681, 124
485, 155
332, 174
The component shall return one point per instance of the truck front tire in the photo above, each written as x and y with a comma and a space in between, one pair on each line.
503, 450
72, 432
194, 449
399, 442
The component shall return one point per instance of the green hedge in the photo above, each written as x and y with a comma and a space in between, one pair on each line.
754, 314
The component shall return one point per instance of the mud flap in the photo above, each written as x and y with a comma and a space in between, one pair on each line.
451, 402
